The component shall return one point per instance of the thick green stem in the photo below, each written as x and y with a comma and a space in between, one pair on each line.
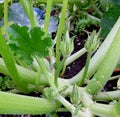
107, 66
60, 30
10, 64
86, 99
96, 108
47, 16
104, 96
102, 110
26, 75
18, 104
29, 76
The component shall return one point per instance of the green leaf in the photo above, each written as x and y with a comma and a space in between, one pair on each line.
28, 43
109, 19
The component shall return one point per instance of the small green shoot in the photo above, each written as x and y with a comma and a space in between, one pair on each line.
91, 45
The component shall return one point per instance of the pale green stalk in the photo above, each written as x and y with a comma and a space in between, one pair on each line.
32, 18
69, 106
26, 75
114, 77
60, 31
25, 4
63, 70
28, 8
45, 71
19, 104
102, 110
38, 76
47, 15
107, 66
84, 76
110, 95
57, 72
75, 56
6, 18
29, 76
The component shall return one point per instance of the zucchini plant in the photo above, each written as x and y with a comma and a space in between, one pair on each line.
32, 59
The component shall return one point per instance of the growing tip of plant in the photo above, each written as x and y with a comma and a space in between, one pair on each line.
92, 42
74, 97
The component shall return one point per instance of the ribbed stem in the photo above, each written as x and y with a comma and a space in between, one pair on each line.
18, 104
104, 96
107, 66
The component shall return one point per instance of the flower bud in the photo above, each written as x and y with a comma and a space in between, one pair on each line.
67, 45
74, 98
92, 42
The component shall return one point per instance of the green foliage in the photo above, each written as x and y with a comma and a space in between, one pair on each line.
6, 83
105, 4
86, 4
28, 43
109, 19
